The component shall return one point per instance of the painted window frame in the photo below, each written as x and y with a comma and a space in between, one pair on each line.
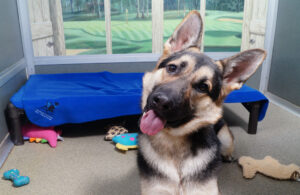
157, 43
32, 61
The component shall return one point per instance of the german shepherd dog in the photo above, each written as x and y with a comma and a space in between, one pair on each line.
184, 134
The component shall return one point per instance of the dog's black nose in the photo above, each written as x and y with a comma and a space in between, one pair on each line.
162, 102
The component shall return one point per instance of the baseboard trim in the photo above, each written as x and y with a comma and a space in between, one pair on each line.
5, 148
283, 103
11, 71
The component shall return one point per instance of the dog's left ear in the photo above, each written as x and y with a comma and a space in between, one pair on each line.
188, 33
237, 69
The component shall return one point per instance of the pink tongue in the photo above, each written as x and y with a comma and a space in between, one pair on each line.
151, 123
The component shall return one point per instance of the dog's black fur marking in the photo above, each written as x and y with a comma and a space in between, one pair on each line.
219, 125
178, 123
211, 169
204, 138
174, 56
201, 59
217, 85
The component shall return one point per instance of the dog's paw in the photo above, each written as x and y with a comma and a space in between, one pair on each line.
228, 159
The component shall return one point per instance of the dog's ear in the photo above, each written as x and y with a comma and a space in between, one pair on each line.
238, 68
188, 33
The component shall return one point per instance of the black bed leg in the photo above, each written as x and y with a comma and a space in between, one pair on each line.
14, 124
253, 117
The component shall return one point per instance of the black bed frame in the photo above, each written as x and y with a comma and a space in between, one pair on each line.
16, 117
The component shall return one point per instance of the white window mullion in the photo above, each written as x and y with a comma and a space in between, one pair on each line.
157, 25
269, 43
108, 26
202, 12
26, 36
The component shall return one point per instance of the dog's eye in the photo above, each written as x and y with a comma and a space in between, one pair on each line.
201, 87
171, 68
183, 64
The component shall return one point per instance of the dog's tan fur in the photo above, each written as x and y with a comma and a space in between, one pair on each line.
166, 156
226, 138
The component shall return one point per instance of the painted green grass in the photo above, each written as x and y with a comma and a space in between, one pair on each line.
135, 36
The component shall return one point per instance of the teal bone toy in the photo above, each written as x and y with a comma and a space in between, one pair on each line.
14, 175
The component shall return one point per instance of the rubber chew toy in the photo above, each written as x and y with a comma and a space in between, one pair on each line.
14, 175
40, 140
269, 167
114, 131
47, 133
126, 141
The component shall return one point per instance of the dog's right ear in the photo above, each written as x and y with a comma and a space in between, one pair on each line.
188, 33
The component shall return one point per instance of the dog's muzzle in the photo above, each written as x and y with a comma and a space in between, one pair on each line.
161, 103
165, 106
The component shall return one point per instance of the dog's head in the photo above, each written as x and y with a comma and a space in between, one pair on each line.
186, 89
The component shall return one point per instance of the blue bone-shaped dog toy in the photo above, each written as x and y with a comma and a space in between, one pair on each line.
14, 175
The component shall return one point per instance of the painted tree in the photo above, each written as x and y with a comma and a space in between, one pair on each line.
147, 7
137, 8
195, 4
71, 4
183, 1
121, 7
143, 9
96, 8
178, 7
79, 5
99, 8
240, 5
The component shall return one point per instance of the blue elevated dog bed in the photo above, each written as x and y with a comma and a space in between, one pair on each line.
55, 99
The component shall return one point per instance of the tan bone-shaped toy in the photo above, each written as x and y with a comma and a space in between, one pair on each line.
269, 167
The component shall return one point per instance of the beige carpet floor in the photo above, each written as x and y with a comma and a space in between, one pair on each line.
86, 164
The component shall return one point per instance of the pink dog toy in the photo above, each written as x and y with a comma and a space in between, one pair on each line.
47, 133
